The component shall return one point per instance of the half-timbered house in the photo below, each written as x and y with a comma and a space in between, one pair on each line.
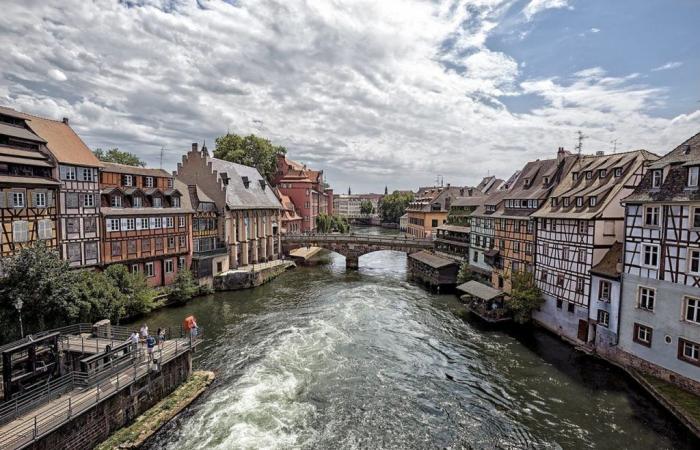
146, 221
577, 225
660, 311
28, 189
79, 192
250, 212
209, 251
482, 234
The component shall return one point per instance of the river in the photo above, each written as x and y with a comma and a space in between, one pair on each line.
323, 358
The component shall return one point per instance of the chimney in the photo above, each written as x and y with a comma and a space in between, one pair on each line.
600, 153
65, 120
194, 146
561, 154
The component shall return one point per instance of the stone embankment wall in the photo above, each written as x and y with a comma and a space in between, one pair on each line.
235, 280
95, 425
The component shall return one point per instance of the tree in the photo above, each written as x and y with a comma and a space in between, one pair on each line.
464, 274
393, 206
366, 208
139, 296
184, 288
525, 296
251, 151
114, 155
99, 297
326, 224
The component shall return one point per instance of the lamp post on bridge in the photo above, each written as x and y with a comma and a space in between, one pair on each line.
18, 303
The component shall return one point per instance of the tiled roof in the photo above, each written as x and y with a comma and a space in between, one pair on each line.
134, 170
63, 142
610, 265
431, 259
19, 132
185, 201
455, 228
109, 211
479, 290
238, 196
27, 180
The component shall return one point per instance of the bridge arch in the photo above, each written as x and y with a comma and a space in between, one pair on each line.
352, 246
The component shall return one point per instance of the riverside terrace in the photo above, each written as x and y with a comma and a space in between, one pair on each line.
72, 387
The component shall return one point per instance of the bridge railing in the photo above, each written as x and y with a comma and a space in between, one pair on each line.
357, 238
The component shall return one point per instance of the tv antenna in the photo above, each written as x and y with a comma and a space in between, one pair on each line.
580, 138
439, 180
614, 143
162, 153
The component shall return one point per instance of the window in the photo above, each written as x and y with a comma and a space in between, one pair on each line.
171, 241
560, 303
90, 224
651, 216
145, 245
580, 285
642, 335
689, 351
583, 227
566, 202
181, 221
74, 252
592, 201
554, 202
17, 199
603, 318
137, 201
604, 291
516, 247
90, 250
693, 176
617, 172
131, 247
68, 172
20, 231
169, 222
545, 180
159, 244
149, 182
157, 202
589, 174
134, 268
560, 280
168, 266
476, 257
692, 309
602, 173
582, 255
696, 218
650, 255
40, 199
149, 270
158, 222
543, 276
128, 180
180, 263
89, 201
434, 223
130, 224
176, 202
182, 241
170, 183
116, 248
144, 223
73, 225
574, 176
579, 201
112, 224
646, 299
45, 229
570, 307
656, 176
88, 174
116, 201
694, 261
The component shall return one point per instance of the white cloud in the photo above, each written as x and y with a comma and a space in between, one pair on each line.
537, 6
594, 30
367, 90
668, 66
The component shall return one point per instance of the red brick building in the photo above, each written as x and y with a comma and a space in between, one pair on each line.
305, 188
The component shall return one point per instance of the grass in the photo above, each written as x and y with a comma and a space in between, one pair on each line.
685, 401
151, 420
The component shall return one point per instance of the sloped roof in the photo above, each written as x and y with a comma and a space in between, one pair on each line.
134, 170
20, 133
185, 200
238, 196
432, 259
63, 142
479, 290
605, 188
610, 265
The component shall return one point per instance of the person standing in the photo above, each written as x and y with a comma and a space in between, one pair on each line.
150, 346
144, 332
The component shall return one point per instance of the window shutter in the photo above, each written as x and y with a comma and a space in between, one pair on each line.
63, 171
164, 222
33, 199
2, 199
79, 174
49, 199
124, 224
138, 223
152, 222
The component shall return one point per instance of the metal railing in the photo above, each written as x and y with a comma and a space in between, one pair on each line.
87, 392
357, 238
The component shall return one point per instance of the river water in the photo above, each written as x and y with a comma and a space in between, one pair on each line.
323, 358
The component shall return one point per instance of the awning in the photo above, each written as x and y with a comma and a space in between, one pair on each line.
491, 253
479, 290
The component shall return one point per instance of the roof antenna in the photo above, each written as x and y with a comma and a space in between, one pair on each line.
614, 143
162, 153
579, 145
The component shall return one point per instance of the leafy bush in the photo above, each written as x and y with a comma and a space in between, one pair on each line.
525, 296
185, 287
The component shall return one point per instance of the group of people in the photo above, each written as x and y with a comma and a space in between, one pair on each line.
149, 342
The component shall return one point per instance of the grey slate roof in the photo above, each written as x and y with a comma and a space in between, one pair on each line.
609, 266
432, 259
19, 132
238, 196
479, 290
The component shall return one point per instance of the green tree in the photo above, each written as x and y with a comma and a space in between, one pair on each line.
99, 297
464, 274
393, 206
366, 208
114, 155
251, 151
139, 296
525, 296
326, 223
44, 285
184, 288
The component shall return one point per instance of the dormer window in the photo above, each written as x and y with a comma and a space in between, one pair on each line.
589, 174
602, 173
592, 201
545, 181
116, 201
128, 180
149, 182
527, 182
574, 176
157, 202
566, 202
656, 177
617, 172
170, 183
137, 201
176, 202
693, 173
579, 201
554, 202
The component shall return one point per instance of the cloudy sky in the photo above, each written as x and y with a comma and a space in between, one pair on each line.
390, 92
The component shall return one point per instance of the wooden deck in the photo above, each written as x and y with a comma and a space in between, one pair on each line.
47, 417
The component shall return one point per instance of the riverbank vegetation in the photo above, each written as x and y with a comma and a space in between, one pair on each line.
393, 206
44, 292
251, 150
525, 296
326, 223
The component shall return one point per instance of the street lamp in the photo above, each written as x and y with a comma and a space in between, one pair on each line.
18, 306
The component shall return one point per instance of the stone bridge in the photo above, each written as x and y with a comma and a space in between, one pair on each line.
352, 246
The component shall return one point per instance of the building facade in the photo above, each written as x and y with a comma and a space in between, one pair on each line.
209, 251
28, 188
250, 213
430, 207
79, 192
660, 309
577, 225
146, 222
